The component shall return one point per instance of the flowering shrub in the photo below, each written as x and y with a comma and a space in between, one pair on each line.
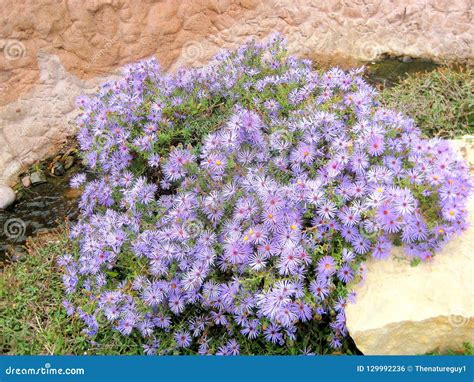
236, 202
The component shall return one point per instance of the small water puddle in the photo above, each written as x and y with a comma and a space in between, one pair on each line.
37, 210
391, 71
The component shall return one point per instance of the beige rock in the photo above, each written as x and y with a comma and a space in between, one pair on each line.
465, 146
26, 181
7, 196
401, 309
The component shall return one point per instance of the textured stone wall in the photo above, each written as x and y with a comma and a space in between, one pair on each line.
53, 50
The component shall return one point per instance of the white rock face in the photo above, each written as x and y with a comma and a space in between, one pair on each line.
402, 309
465, 146
7, 196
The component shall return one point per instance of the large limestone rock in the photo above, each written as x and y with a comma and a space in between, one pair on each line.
50, 51
402, 309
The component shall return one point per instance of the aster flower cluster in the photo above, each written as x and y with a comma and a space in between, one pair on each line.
237, 201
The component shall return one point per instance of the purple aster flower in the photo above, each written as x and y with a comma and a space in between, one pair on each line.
451, 212
77, 180
391, 223
257, 262
176, 304
183, 339
319, 288
375, 145
153, 295
304, 154
272, 333
271, 105
335, 342
360, 244
404, 203
151, 349
174, 169
126, 324
359, 162
381, 249
204, 348
349, 216
345, 274
69, 308
70, 280
303, 311
154, 160
219, 317
348, 256
162, 322
250, 329
146, 327
233, 347
326, 209
326, 266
